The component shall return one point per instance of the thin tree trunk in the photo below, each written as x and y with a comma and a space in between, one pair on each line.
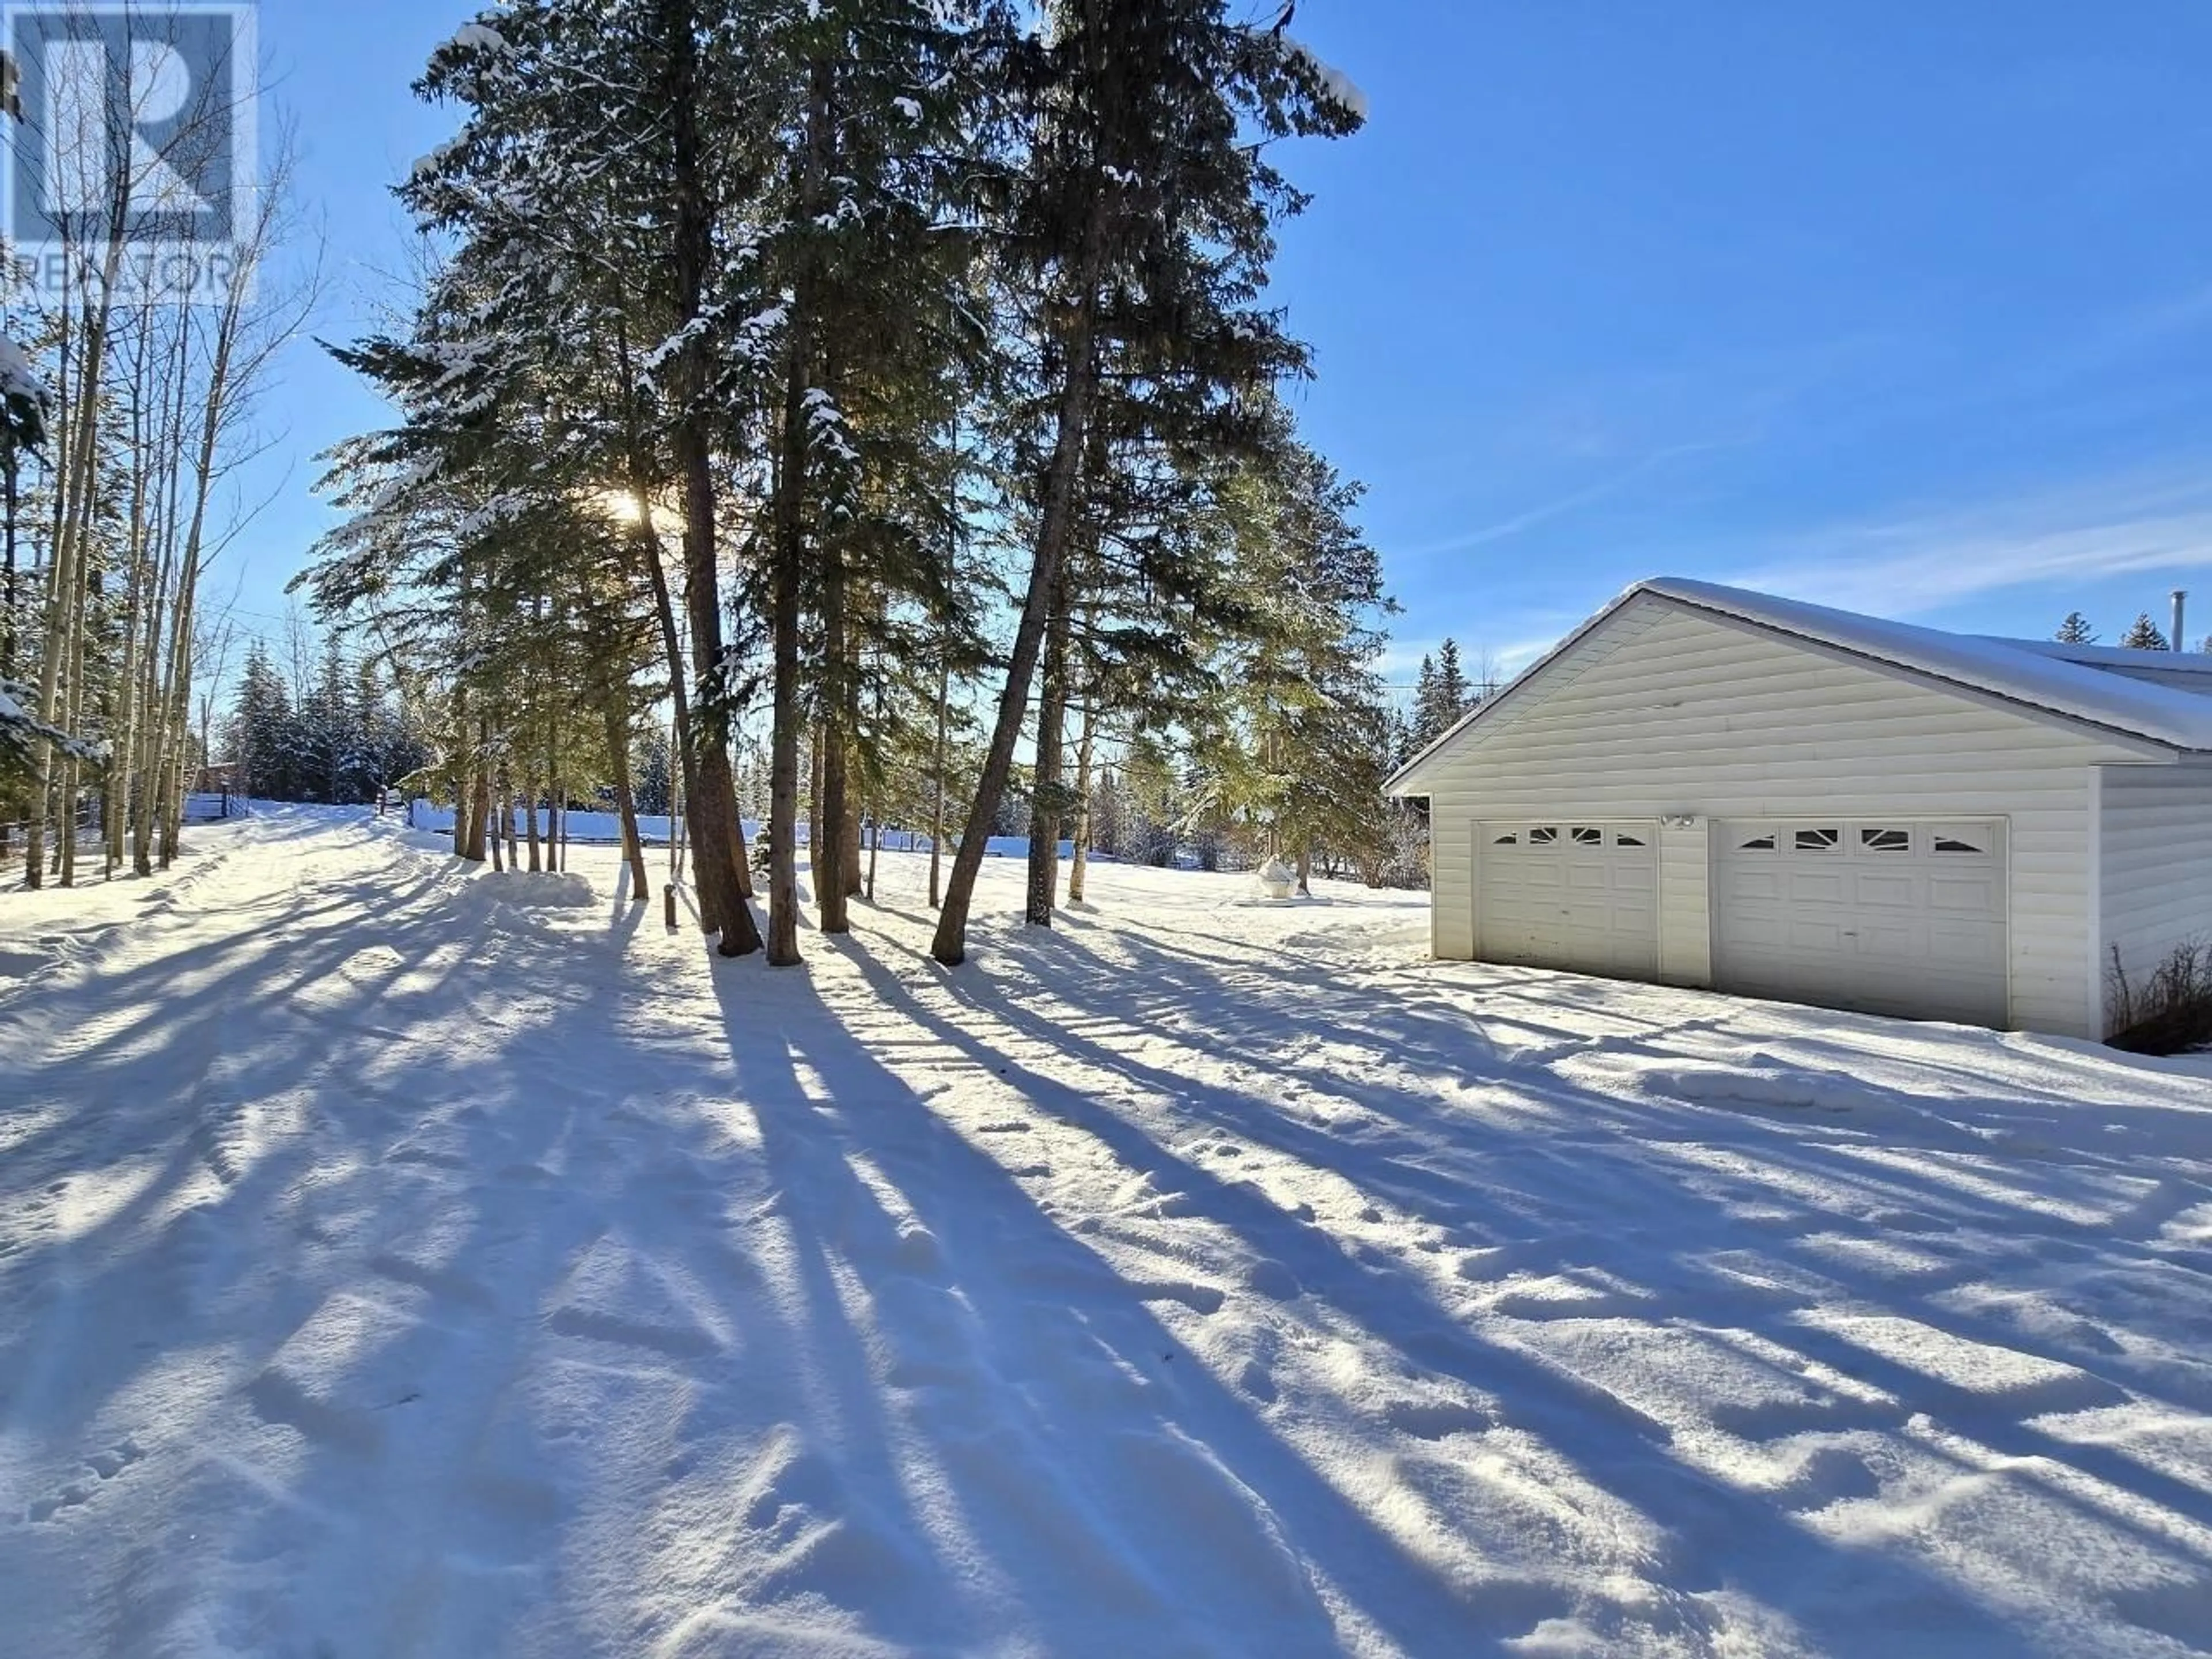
1054, 523
479, 770
556, 804
832, 810
789, 563
72, 720
1048, 800
11, 467
817, 784
177, 714
529, 787
146, 817
125, 780
936, 805
741, 851
168, 758
849, 854
122, 756
641, 880
831, 895
460, 769
714, 799
11, 470
1079, 861
143, 807
783, 763
679, 840
675, 819
645, 541
867, 885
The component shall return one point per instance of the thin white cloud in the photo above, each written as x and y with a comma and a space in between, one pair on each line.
1400, 659
1515, 657
1587, 495
1400, 662
1904, 567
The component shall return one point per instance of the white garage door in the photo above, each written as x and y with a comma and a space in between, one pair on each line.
1584, 896
1886, 916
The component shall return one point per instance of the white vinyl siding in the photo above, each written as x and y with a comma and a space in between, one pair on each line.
1685, 949
2154, 863
1667, 711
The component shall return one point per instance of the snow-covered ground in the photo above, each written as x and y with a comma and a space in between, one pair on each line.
400, 1260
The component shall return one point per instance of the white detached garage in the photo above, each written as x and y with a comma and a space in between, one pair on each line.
1704, 786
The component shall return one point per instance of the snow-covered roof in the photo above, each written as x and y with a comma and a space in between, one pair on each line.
2183, 665
2096, 685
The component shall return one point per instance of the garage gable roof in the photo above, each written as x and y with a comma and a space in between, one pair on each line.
2082, 686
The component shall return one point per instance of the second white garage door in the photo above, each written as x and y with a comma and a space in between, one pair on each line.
1559, 894
1886, 916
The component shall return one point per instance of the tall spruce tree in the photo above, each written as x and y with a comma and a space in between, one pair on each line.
1441, 696
1454, 696
264, 736
1141, 227
1298, 743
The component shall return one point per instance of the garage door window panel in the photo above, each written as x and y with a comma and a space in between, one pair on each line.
1968, 841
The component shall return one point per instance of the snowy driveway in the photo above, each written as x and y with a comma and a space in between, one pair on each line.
395, 1262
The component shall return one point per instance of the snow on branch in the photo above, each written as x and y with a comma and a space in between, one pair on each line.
20, 729
18, 377
1339, 87
23, 396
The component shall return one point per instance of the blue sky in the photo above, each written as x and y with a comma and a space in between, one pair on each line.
1897, 307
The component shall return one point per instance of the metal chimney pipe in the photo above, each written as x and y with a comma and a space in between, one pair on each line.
2180, 596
